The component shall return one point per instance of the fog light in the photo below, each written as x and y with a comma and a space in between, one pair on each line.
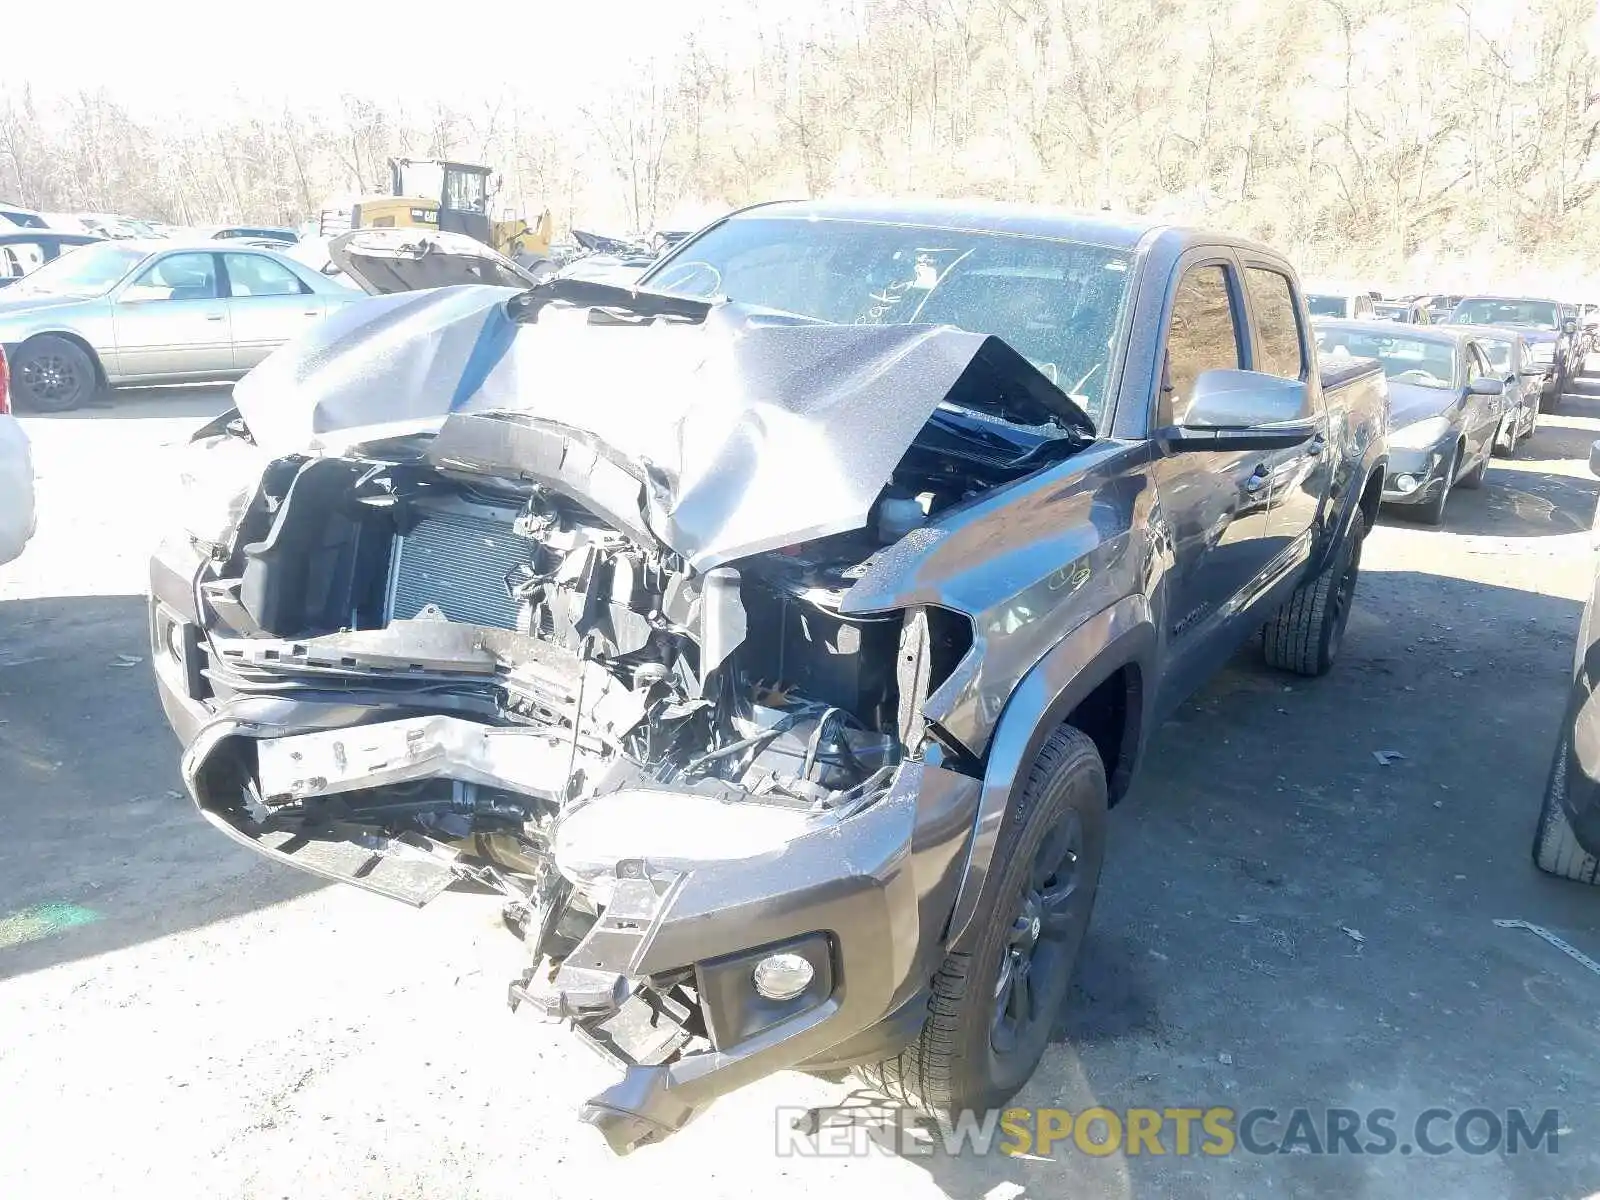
782, 976
1406, 483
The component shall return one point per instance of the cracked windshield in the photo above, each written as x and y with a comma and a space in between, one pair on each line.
1056, 302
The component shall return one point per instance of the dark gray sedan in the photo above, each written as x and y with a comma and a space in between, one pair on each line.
1512, 360
1446, 404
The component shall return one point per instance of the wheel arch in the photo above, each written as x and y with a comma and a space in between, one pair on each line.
1372, 493
77, 339
1102, 675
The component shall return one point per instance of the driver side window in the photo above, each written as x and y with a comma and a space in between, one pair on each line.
175, 277
1203, 336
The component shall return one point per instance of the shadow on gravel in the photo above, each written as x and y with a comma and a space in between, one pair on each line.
101, 847
182, 400
1580, 399
1553, 442
1284, 922
1519, 503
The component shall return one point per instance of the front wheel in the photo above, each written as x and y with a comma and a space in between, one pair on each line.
1474, 477
1306, 633
52, 374
1432, 513
992, 1010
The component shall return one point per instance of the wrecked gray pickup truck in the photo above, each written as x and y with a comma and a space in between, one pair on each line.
772, 640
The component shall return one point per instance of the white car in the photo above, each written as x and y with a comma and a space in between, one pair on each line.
16, 478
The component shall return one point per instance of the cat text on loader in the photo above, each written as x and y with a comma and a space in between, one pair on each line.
452, 197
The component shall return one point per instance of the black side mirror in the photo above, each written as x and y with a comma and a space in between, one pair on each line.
1569, 326
1484, 386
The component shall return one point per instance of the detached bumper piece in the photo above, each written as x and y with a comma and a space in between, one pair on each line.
343, 853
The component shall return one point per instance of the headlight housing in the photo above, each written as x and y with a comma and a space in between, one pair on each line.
1419, 435
217, 478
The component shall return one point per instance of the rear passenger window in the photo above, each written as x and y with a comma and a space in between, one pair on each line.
1276, 328
1203, 336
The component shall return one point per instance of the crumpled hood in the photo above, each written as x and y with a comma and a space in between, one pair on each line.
746, 431
1410, 403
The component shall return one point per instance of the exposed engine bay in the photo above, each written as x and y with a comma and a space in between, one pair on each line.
517, 605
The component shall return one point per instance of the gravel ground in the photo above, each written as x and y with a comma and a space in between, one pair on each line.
1284, 921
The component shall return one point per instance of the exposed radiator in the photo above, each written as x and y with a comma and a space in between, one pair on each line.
458, 561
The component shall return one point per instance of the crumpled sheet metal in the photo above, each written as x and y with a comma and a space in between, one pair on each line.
753, 430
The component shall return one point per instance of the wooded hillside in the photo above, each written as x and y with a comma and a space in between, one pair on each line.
1397, 139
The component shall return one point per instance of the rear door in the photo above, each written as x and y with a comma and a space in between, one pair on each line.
1299, 475
171, 319
267, 305
1215, 501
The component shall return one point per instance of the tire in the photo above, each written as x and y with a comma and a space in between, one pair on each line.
1555, 850
1307, 631
1474, 478
1432, 513
1509, 449
973, 1052
53, 374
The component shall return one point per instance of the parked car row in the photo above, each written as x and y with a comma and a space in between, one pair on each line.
1458, 394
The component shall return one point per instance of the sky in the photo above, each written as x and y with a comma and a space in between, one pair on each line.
181, 55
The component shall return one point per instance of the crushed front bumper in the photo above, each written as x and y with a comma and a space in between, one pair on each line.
863, 897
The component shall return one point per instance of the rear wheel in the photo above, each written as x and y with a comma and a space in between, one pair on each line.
1306, 633
52, 374
1555, 850
991, 1012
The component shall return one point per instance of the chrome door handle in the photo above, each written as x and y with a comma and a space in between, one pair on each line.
311, 312
213, 316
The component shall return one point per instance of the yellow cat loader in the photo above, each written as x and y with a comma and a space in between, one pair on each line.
452, 197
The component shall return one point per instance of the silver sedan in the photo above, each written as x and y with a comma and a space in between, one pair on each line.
130, 312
